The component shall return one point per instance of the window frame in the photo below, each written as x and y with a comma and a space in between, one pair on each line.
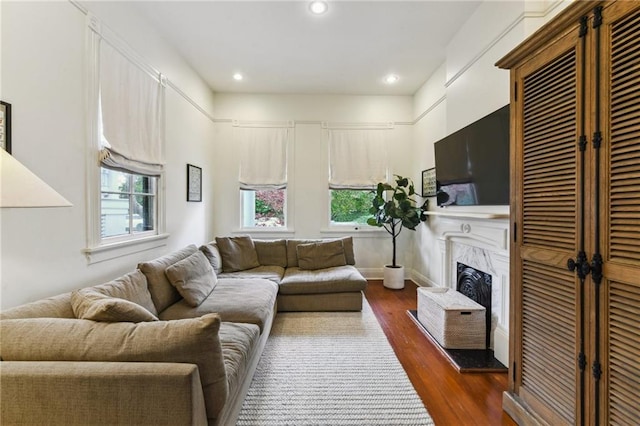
131, 193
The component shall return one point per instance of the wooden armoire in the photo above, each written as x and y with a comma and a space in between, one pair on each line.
575, 213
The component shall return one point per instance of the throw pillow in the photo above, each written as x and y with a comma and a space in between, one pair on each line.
92, 305
132, 287
238, 253
190, 341
212, 253
162, 292
321, 255
272, 253
193, 277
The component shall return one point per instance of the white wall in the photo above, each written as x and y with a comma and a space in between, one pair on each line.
43, 77
465, 88
308, 180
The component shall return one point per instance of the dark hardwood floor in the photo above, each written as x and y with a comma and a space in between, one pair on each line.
450, 397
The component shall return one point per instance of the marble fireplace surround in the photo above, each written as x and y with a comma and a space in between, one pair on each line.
482, 243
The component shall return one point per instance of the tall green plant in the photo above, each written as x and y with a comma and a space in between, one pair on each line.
398, 210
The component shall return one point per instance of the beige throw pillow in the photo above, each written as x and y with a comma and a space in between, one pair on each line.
193, 277
321, 255
238, 253
212, 253
162, 292
190, 341
132, 287
92, 305
271, 253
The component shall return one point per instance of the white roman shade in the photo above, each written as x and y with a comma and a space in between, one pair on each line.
263, 157
131, 104
357, 158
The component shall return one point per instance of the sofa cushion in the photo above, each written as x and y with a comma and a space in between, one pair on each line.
320, 255
292, 252
271, 253
132, 287
238, 342
331, 280
347, 243
90, 304
52, 307
162, 292
193, 277
272, 273
235, 300
190, 341
238, 253
212, 253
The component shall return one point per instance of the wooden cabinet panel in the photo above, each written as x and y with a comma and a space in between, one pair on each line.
575, 263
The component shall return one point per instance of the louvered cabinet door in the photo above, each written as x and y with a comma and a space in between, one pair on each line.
620, 210
546, 211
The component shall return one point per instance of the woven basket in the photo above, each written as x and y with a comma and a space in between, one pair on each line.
453, 319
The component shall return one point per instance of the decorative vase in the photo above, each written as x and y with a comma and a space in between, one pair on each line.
394, 277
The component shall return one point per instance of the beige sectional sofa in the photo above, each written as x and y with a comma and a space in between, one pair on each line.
174, 342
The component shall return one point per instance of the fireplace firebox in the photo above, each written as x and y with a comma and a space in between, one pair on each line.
476, 285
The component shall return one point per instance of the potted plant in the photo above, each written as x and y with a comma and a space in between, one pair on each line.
395, 212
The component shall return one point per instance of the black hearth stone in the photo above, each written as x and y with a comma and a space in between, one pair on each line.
465, 360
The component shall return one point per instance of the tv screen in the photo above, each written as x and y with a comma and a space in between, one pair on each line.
472, 164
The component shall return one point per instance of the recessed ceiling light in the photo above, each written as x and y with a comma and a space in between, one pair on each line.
237, 76
391, 79
318, 7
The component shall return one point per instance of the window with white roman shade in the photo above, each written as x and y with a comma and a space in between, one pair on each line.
263, 150
125, 200
357, 163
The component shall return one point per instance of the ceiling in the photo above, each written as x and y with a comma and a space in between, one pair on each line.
280, 47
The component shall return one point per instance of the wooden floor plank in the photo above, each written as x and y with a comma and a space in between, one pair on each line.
451, 398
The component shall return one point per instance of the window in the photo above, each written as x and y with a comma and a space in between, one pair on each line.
263, 174
264, 208
357, 163
350, 206
127, 204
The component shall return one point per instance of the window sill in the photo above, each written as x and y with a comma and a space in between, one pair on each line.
363, 231
124, 248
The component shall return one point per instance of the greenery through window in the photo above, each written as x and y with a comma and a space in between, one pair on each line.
349, 206
127, 203
264, 208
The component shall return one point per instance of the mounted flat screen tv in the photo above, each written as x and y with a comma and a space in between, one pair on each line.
472, 164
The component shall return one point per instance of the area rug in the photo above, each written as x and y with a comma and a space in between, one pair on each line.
330, 368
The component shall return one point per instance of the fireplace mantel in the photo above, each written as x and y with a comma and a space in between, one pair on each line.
470, 215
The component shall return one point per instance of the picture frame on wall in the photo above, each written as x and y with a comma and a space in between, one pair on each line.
5, 126
429, 187
194, 183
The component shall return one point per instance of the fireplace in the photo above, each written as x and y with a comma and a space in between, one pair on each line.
482, 244
476, 285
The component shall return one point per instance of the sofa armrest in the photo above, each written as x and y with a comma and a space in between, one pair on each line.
98, 393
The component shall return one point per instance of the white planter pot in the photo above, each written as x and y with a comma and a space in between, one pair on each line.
394, 277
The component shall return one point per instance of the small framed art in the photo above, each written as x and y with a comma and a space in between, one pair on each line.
194, 183
5, 126
429, 182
